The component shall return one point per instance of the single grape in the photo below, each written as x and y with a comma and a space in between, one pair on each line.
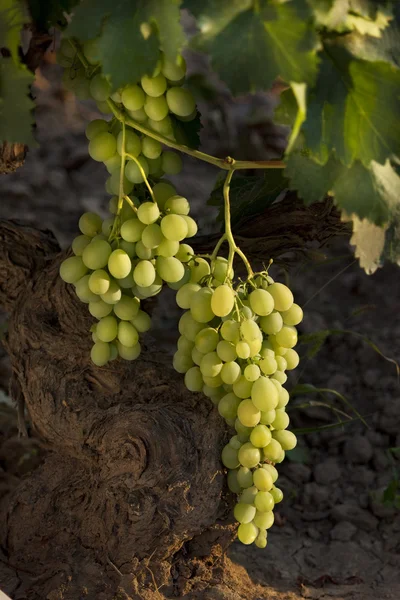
156, 108
264, 520
148, 213
131, 230
213, 382
243, 350
180, 101
96, 126
182, 362
83, 291
128, 353
252, 372
261, 302
152, 236
248, 495
174, 71
277, 494
271, 470
293, 316
185, 253
107, 329
113, 183
151, 148
72, 269
199, 269
100, 88
228, 405
142, 321
96, 254
232, 481
191, 225
200, 305
292, 359
260, 436
133, 145
113, 294
99, 282
154, 86
262, 480
144, 273
245, 477
280, 377
174, 227
119, 264
170, 269
104, 108
226, 351
138, 115
264, 502
127, 334
244, 513
281, 420
167, 248
99, 309
247, 533
150, 290
91, 51
189, 327
90, 224
261, 540
264, 394
185, 293
286, 439
184, 345
163, 126
100, 354
272, 323
242, 388
107, 226
248, 413
230, 372
127, 308
272, 451
283, 297
223, 300
229, 455
133, 97
230, 330
220, 269
79, 244
194, 383
171, 163
207, 339
211, 364
102, 146
268, 365
267, 417
250, 331
143, 252
162, 191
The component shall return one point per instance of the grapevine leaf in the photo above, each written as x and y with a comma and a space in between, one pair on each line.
127, 49
12, 18
299, 92
15, 105
50, 12
368, 241
187, 132
348, 15
276, 42
249, 195
311, 180
386, 48
391, 250
354, 109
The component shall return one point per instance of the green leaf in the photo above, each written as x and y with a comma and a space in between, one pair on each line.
249, 195
275, 42
216, 13
16, 118
299, 92
353, 109
12, 18
50, 12
127, 50
187, 132
347, 15
310, 179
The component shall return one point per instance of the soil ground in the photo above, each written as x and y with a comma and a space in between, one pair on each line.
334, 537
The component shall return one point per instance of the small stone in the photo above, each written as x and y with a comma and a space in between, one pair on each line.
297, 472
358, 449
343, 531
354, 514
327, 472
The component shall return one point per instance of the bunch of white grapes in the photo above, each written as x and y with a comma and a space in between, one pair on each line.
113, 275
235, 347
149, 102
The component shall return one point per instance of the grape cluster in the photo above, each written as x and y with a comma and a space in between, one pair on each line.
235, 347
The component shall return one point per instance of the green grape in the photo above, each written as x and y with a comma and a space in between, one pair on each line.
267, 417
271, 470
281, 457
133, 172
261, 302
100, 88
214, 394
96, 126
184, 295
138, 115
196, 356
100, 354
133, 97
226, 351
232, 481
191, 225
249, 456
181, 362
180, 101
184, 345
189, 327
245, 477
79, 244
144, 273
292, 359
91, 51
293, 316
248, 413
99, 282
129, 247
163, 126
162, 191
220, 269
229, 455
207, 339
96, 254
250, 330
107, 226
264, 502
171, 163
113, 294
272, 323
264, 394
272, 451
281, 363
127, 308
133, 145
247, 533
268, 365
154, 86
174, 227
242, 388
152, 236
286, 439
143, 252
113, 164
248, 495
252, 372
128, 353
83, 291
119, 264
150, 290
280, 377
264, 520
167, 248
223, 301
244, 513
228, 405
72, 269
287, 337
200, 269
281, 420
127, 334
283, 297
211, 365
213, 382
104, 108
155, 167
126, 283
260, 436
131, 230
102, 147
151, 148
276, 494
170, 269
243, 350
194, 381
185, 253
177, 205
90, 224
283, 395
99, 309
189, 117
255, 347
148, 213
200, 305
107, 329
113, 351
174, 71
142, 321
156, 108
262, 480
230, 372
261, 540
230, 331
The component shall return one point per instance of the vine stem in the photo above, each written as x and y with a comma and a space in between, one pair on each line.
143, 174
228, 163
121, 194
